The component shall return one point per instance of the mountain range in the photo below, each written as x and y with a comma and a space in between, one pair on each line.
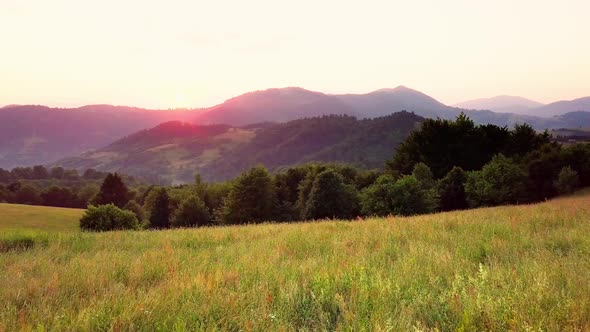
523, 106
31, 134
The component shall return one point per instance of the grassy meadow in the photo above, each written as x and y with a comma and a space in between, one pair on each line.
523, 268
17, 217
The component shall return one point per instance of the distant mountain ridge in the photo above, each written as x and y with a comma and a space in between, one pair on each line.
564, 106
35, 134
502, 104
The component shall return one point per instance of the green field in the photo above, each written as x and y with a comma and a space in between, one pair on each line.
16, 217
523, 268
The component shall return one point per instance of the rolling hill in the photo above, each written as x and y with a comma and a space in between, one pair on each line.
174, 151
37, 134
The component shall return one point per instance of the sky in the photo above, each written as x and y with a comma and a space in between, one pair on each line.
177, 53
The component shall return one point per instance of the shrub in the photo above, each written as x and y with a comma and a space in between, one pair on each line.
405, 196
567, 180
108, 218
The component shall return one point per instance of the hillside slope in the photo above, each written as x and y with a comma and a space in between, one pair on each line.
16, 217
36, 134
175, 151
499, 269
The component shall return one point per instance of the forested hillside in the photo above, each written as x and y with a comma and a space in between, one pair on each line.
174, 152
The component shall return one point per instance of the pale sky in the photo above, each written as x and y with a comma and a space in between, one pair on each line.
178, 53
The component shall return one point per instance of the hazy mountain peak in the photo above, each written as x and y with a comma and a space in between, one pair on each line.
399, 88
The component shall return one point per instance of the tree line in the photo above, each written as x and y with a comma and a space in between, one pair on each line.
54, 186
442, 166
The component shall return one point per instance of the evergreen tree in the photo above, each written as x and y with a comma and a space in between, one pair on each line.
113, 190
160, 213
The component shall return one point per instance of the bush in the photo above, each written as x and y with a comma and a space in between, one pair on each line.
567, 180
405, 196
192, 212
108, 218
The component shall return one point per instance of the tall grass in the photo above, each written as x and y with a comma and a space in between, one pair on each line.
505, 268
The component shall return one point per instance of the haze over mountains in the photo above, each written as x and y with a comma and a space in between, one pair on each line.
502, 104
523, 106
38, 134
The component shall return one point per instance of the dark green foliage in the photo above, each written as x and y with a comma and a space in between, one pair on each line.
87, 193
578, 157
423, 174
59, 196
137, 210
567, 180
160, 212
5, 195
524, 139
287, 192
443, 144
57, 172
501, 181
28, 194
108, 218
451, 190
330, 197
192, 212
113, 190
251, 199
5, 176
405, 196
40, 172
543, 166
